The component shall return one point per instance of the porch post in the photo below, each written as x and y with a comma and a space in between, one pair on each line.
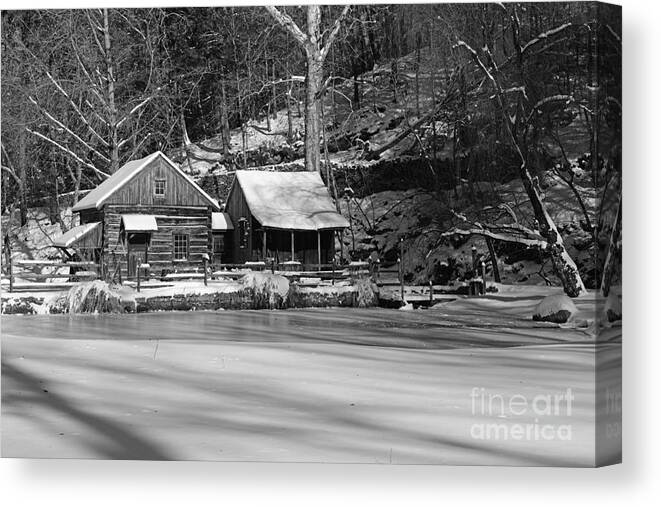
334, 237
292, 246
264, 246
319, 250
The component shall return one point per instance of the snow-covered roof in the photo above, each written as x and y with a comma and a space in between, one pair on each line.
75, 234
139, 223
221, 222
123, 175
290, 200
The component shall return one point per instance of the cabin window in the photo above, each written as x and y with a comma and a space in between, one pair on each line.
243, 232
181, 246
159, 187
218, 244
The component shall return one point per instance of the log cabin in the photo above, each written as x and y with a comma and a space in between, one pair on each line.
148, 212
284, 217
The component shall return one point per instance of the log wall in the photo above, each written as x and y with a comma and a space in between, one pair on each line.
191, 220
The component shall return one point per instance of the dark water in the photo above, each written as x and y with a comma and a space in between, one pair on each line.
367, 327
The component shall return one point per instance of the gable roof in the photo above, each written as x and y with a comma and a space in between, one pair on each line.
293, 200
126, 173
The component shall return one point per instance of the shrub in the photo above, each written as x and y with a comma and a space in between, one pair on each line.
267, 290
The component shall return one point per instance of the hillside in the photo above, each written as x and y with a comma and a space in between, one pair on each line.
407, 191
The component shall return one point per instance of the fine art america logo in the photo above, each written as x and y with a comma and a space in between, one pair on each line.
542, 416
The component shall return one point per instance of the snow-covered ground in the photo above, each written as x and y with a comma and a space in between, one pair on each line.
335, 385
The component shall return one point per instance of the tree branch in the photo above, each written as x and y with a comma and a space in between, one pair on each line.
544, 36
500, 236
68, 130
75, 108
288, 24
511, 233
132, 111
336, 28
9, 162
69, 152
374, 155
11, 172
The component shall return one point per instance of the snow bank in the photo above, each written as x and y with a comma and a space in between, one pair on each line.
558, 308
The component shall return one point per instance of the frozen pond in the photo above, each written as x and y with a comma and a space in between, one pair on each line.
381, 327
337, 385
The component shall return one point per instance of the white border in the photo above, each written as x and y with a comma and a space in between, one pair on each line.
106, 483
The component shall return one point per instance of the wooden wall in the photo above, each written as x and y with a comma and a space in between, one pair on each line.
237, 207
191, 220
90, 215
140, 190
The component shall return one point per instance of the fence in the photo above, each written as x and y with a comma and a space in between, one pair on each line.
30, 271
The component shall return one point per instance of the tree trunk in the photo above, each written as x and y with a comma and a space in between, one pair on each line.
273, 91
356, 85
185, 140
417, 75
315, 53
54, 208
613, 252
290, 126
244, 142
313, 112
393, 80
593, 69
224, 122
270, 105
76, 189
330, 174
112, 113
494, 260
22, 172
564, 265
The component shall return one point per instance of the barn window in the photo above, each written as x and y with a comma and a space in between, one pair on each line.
243, 232
181, 246
159, 187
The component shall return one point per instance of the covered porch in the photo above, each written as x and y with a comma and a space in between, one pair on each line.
294, 248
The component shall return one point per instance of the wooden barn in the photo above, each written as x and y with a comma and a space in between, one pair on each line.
149, 211
285, 217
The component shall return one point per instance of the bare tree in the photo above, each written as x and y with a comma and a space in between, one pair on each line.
316, 51
101, 127
517, 127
